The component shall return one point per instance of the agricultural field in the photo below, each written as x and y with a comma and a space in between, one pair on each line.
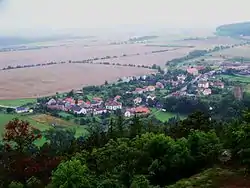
208, 43
240, 51
77, 51
44, 81
155, 58
16, 102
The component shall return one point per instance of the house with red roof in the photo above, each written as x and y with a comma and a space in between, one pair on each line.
219, 84
117, 97
159, 85
138, 91
140, 110
69, 100
150, 88
207, 91
97, 99
113, 105
193, 71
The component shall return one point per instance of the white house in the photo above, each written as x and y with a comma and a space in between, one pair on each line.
128, 114
51, 102
203, 84
151, 97
21, 110
138, 100
99, 111
78, 110
113, 105
181, 77
144, 77
207, 92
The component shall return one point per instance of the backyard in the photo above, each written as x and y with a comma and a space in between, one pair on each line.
163, 116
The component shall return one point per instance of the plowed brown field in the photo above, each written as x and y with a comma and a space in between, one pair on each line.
43, 81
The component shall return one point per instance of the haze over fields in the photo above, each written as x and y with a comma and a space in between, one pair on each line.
43, 31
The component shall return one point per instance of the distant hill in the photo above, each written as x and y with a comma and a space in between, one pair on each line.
9, 40
234, 30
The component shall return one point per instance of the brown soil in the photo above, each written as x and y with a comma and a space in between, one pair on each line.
235, 182
81, 52
43, 81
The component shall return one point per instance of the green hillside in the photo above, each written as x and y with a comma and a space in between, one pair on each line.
236, 29
213, 178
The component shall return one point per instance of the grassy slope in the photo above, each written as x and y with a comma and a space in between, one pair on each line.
243, 79
5, 118
41, 125
163, 116
16, 102
215, 178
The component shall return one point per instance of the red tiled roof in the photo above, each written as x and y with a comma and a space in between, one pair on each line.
138, 89
141, 109
200, 68
70, 100
80, 102
88, 102
218, 83
97, 99
192, 70
113, 103
151, 87
118, 97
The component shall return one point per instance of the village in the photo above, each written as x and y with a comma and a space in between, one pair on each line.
140, 100
140, 94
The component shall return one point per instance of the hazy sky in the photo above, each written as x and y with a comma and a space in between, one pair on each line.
58, 14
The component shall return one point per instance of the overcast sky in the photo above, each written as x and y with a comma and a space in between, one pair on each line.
60, 14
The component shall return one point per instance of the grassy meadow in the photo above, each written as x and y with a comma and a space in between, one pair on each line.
16, 102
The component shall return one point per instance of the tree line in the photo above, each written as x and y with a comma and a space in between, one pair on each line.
91, 61
135, 154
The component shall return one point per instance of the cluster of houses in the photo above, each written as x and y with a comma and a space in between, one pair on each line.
96, 106
204, 86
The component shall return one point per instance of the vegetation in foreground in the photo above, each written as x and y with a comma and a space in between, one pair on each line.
215, 177
135, 154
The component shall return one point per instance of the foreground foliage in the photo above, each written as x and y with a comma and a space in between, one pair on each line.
128, 153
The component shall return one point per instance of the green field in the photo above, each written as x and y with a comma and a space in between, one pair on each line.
235, 78
163, 116
5, 118
16, 102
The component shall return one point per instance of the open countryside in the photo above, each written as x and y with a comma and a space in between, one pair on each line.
142, 112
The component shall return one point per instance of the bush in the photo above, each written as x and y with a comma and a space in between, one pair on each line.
15, 185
